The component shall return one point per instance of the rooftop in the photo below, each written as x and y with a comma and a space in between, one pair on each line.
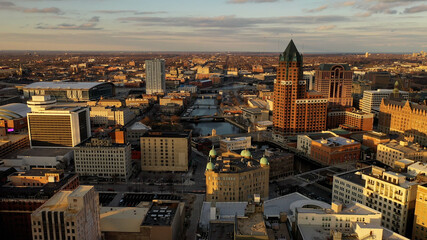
39, 172
167, 134
59, 201
64, 85
253, 225
139, 126
13, 111
161, 214
406, 147
355, 176
336, 141
122, 219
39, 152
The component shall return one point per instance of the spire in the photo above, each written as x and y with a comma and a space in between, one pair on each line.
291, 53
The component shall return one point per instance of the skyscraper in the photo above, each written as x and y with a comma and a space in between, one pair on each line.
334, 81
295, 108
155, 76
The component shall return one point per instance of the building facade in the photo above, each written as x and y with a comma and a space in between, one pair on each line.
52, 126
335, 150
102, 158
371, 101
230, 144
165, 151
334, 82
111, 116
155, 76
70, 91
372, 139
392, 151
420, 217
352, 120
233, 177
68, 215
406, 118
296, 109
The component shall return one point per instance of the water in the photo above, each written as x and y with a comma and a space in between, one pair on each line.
205, 128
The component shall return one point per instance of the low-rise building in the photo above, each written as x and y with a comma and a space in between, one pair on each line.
304, 141
13, 142
233, 177
111, 116
68, 215
335, 150
238, 143
372, 139
165, 151
102, 158
136, 131
254, 115
353, 120
392, 151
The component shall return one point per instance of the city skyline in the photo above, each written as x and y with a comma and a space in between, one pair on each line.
226, 25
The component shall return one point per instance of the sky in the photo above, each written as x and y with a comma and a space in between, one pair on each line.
327, 26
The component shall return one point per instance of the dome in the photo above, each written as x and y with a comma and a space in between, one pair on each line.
396, 84
210, 166
212, 152
263, 161
246, 153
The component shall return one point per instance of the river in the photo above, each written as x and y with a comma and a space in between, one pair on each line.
205, 128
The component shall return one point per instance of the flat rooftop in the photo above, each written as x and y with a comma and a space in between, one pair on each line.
12, 138
63, 85
161, 214
406, 147
167, 134
336, 141
59, 201
221, 231
39, 152
122, 219
39, 172
253, 225
355, 176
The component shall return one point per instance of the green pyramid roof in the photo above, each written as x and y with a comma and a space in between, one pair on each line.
291, 53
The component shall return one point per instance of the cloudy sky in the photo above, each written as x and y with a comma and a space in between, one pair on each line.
214, 25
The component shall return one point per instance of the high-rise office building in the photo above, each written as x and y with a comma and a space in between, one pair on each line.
68, 215
155, 76
295, 108
334, 81
56, 126
371, 101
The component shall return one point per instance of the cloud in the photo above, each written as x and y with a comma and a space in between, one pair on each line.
94, 19
6, 4
42, 10
348, 3
416, 9
250, 1
130, 11
9, 6
67, 26
325, 28
231, 21
321, 8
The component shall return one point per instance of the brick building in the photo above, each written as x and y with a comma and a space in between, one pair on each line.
296, 109
335, 150
334, 82
407, 118
350, 119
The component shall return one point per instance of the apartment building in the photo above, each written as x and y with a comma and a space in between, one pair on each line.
419, 230
393, 194
68, 215
392, 151
104, 159
155, 76
165, 151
